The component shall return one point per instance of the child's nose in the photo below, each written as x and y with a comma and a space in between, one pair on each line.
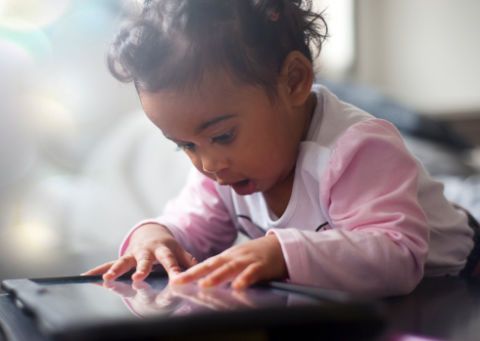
212, 164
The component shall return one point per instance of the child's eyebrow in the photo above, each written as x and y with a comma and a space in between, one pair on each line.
213, 121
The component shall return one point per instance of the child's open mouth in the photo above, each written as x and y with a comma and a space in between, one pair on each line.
244, 187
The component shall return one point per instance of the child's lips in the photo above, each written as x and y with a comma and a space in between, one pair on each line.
244, 187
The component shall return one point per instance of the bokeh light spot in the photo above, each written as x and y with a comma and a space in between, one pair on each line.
50, 119
36, 236
38, 13
26, 36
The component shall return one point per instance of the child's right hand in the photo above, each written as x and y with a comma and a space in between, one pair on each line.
150, 244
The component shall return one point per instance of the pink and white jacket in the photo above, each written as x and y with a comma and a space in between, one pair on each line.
364, 216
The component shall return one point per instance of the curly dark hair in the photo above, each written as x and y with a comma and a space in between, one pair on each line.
174, 42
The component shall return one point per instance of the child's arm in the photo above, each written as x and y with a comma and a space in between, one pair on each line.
378, 241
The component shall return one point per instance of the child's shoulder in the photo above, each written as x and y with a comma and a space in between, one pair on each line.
333, 117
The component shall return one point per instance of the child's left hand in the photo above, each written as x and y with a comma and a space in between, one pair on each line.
248, 263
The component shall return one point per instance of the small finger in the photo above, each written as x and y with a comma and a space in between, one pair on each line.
99, 270
199, 270
165, 256
188, 260
221, 274
247, 277
144, 267
122, 265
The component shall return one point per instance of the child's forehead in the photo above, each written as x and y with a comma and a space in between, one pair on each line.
173, 110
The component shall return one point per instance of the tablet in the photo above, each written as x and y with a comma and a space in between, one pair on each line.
85, 307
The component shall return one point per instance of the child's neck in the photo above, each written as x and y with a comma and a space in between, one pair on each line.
309, 110
278, 197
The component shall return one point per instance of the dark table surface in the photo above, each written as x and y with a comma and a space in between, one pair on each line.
446, 308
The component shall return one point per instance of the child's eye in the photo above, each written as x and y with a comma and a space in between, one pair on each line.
224, 138
186, 146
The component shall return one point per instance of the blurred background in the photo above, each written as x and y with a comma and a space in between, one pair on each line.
80, 163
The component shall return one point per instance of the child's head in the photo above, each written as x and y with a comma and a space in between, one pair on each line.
228, 80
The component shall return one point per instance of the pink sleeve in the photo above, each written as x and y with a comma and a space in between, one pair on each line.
378, 237
197, 218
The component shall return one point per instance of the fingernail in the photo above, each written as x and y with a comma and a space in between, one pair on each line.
239, 285
108, 275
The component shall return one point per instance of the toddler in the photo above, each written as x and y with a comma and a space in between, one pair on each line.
328, 195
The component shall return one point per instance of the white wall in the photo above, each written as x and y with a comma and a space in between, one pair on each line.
425, 53
338, 51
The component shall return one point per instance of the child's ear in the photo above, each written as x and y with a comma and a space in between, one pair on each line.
296, 77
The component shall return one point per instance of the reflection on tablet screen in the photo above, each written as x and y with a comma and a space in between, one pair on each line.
159, 298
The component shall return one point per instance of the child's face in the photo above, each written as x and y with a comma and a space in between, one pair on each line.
233, 133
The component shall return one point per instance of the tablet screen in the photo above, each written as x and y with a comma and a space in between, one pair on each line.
65, 306
94, 300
